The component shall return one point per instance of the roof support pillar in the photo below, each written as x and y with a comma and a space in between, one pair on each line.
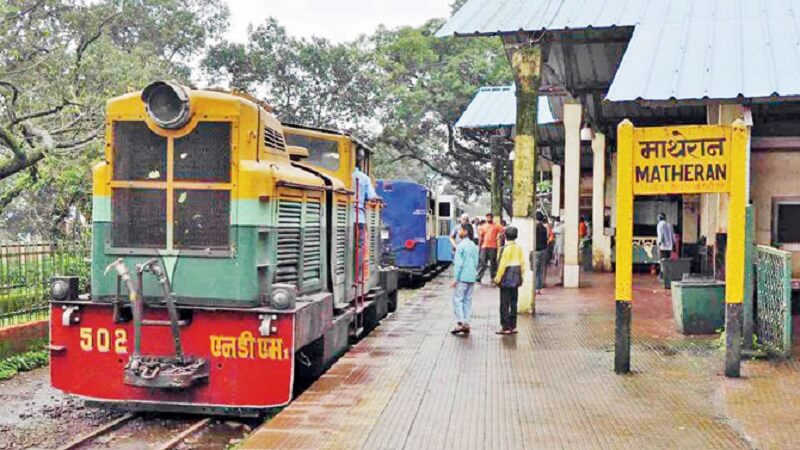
572, 181
496, 149
525, 56
601, 244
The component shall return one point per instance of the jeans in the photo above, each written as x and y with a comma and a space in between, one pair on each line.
541, 267
508, 308
488, 258
462, 301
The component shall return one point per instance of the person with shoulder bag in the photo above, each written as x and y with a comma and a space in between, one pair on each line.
509, 278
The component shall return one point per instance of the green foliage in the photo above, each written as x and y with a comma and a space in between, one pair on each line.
402, 89
61, 60
34, 359
312, 81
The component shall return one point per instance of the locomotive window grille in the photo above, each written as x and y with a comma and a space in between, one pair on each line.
289, 219
157, 200
312, 243
204, 154
321, 152
139, 154
274, 139
139, 218
341, 237
201, 220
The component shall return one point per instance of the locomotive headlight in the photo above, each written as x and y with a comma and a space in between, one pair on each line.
167, 104
283, 296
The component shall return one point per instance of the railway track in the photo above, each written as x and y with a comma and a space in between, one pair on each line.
157, 432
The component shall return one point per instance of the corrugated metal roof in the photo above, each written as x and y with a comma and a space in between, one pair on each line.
680, 49
509, 16
496, 106
721, 50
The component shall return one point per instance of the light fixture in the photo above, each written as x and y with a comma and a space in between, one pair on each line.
167, 104
587, 134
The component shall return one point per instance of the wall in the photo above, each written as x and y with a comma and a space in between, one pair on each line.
22, 338
773, 174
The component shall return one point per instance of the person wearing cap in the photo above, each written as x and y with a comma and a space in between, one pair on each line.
509, 277
455, 238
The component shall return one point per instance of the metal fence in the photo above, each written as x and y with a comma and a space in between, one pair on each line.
774, 299
25, 272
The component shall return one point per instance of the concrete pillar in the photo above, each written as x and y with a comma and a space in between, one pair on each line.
556, 203
496, 149
526, 66
572, 175
601, 244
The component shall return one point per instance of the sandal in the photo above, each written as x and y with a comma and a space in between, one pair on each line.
502, 332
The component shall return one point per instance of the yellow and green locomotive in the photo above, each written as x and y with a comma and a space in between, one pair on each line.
224, 258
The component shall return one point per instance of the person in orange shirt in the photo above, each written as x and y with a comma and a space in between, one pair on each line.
582, 229
488, 237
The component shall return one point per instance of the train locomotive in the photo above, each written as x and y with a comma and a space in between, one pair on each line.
417, 226
224, 261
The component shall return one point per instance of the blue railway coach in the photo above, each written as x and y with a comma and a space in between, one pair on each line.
410, 222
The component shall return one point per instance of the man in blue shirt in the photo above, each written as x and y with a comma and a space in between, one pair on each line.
362, 186
465, 271
364, 191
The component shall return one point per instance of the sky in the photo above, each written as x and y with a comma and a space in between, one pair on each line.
337, 20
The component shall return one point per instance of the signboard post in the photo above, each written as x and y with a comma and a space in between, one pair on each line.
681, 160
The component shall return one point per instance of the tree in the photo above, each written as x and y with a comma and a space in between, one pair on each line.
61, 60
308, 81
429, 82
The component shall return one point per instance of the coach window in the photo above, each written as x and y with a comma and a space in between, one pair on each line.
785, 217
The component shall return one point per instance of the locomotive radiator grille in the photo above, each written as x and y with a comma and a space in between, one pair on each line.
341, 237
312, 243
289, 220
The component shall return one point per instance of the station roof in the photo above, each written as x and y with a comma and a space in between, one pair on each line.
496, 107
671, 50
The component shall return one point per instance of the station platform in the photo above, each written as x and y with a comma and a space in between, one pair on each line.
412, 385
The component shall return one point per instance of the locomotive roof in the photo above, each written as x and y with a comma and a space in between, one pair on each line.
358, 141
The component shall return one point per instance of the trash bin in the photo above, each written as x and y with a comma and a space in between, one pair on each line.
698, 306
674, 269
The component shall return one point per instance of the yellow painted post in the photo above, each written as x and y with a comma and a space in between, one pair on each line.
624, 248
735, 253
526, 66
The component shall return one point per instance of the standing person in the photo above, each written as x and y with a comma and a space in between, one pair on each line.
666, 239
509, 278
487, 241
465, 267
454, 234
541, 252
582, 228
558, 247
362, 185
